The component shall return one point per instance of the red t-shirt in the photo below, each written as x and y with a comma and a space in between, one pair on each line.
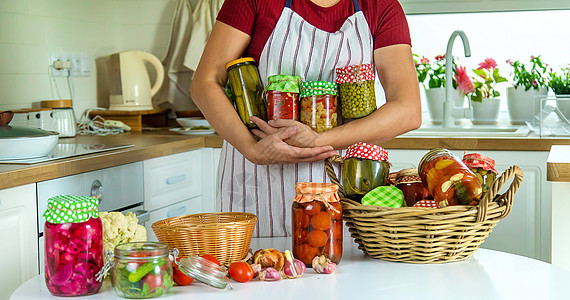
258, 18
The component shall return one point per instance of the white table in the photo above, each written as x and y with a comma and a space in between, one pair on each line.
486, 275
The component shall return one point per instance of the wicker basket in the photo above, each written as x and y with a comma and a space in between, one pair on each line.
426, 235
225, 235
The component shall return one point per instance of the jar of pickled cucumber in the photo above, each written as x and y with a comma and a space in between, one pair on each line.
483, 167
283, 97
410, 183
365, 167
448, 179
356, 90
247, 90
318, 105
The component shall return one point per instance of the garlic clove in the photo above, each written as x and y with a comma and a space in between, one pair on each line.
269, 274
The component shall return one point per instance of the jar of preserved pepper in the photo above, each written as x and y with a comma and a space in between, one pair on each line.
247, 90
365, 167
318, 105
283, 97
448, 179
317, 222
410, 183
356, 90
483, 167
73, 234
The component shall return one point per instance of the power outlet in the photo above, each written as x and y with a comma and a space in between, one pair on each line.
74, 64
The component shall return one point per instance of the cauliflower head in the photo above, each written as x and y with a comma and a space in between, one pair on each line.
119, 228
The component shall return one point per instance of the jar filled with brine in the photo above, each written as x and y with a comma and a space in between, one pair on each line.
448, 179
356, 90
317, 222
410, 183
283, 97
483, 167
247, 90
318, 105
365, 167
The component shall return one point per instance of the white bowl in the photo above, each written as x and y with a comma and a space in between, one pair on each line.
27, 147
191, 122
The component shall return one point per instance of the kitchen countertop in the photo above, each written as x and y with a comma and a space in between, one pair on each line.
558, 164
488, 274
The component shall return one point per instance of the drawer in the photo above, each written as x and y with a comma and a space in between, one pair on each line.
191, 206
171, 179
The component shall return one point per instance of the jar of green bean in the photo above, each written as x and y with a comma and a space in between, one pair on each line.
356, 90
247, 89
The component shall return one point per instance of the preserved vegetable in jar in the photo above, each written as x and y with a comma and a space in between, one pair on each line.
356, 90
448, 179
483, 167
317, 222
365, 167
410, 183
283, 97
319, 105
247, 89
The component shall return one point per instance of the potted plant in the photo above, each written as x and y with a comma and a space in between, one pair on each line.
435, 88
484, 97
529, 86
560, 85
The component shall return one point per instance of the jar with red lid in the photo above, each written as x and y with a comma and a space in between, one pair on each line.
410, 183
356, 90
319, 105
483, 167
365, 167
283, 97
317, 222
448, 179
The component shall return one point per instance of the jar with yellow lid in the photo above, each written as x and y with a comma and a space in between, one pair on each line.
247, 89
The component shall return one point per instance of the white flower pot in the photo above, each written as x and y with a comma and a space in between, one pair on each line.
434, 99
486, 112
524, 105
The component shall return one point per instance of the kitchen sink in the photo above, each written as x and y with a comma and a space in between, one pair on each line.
497, 131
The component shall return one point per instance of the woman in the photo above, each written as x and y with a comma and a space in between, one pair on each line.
308, 38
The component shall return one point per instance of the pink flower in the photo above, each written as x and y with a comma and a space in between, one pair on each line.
463, 81
510, 62
488, 64
532, 57
440, 57
424, 61
535, 82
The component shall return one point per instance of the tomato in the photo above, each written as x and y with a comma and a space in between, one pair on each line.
240, 271
312, 208
211, 258
300, 219
317, 238
306, 253
179, 277
321, 221
338, 207
153, 281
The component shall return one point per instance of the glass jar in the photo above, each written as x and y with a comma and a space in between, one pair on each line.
141, 270
365, 167
356, 90
483, 167
73, 235
318, 105
317, 222
448, 179
247, 90
410, 183
283, 97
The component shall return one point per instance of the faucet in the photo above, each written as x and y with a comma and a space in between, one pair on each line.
450, 111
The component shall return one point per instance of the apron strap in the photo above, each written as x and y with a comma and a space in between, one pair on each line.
356, 6
288, 3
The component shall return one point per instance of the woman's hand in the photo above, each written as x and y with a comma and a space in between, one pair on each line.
304, 138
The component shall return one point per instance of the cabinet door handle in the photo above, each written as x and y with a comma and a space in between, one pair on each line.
176, 179
176, 212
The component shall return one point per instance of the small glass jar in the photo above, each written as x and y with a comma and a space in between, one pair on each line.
283, 97
365, 167
247, 90
73, 235
448, 179
483, 167
410, 183
356, 90
317, 222
319, 105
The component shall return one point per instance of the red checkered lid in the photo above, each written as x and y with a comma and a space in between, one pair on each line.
367, 151
476, 160
357, 73
427, 204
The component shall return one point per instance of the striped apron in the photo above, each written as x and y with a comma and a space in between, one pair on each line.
295, 47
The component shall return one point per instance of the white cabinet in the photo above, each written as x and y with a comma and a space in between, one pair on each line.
457, 6
18, 231
526, 230
191, 206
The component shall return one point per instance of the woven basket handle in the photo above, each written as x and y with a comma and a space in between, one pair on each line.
332, 175
507, 197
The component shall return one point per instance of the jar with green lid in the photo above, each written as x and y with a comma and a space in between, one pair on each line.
247, 89
73, 236
356, 90
282, 93
319, 105
364, 168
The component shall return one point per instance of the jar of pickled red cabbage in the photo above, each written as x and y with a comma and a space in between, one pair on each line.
365, 167
283, 97
410, 183
317, 222
448, 179
483, 167
73, 235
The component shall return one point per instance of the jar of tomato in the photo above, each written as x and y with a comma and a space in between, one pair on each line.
356, 90
317, 222
283, 97
73, 234
365, 167
448, 179
247, 89
318, 105
410, 183
483, 167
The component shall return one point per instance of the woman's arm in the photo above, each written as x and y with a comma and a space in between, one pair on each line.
224, 45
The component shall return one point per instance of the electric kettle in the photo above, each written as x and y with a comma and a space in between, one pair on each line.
130, 87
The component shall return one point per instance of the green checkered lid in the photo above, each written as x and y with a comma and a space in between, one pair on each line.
389, 196
283, 83
313, 88
71, 209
